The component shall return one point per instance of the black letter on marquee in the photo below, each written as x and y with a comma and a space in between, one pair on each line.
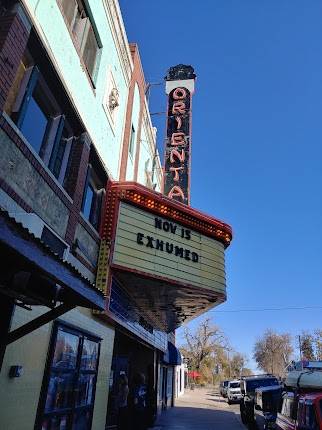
194, 257
166, 226
178, 251
173, 228
186, 254
157, 223
150, 242
159, 244
169, 247
139, 238
188, 234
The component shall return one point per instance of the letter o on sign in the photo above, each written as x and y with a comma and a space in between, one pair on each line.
179, 94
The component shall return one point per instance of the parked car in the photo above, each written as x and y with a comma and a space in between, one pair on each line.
233, 391
300, 411
223, 388
248, 386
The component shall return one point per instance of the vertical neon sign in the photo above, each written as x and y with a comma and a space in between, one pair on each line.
179, 87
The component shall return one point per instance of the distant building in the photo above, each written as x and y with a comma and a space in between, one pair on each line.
83, 297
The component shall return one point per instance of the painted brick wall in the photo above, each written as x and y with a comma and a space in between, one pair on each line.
13, 41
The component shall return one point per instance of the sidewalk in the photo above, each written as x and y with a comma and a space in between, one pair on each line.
200, 409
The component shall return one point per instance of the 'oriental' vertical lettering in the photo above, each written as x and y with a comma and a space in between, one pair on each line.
179, 87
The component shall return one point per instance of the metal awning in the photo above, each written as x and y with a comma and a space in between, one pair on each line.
173, 355
34, 274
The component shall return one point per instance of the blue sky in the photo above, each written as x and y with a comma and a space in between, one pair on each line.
257, 143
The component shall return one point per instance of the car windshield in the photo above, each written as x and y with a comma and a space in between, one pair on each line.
256, 383
225, 383
234, 385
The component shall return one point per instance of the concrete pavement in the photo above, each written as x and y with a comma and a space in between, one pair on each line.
200, 409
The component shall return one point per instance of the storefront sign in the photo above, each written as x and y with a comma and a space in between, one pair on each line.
156, 246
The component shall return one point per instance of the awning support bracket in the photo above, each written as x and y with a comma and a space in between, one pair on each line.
38, 322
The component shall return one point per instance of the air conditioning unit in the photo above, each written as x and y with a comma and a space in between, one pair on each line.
41, 230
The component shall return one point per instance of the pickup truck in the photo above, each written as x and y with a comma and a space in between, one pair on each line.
300, 411
248, 386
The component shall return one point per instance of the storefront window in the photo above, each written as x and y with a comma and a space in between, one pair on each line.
68, 394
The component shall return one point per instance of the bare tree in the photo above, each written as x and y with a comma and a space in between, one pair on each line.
318, 344
272, 352
237, 364
201, 344
307, 346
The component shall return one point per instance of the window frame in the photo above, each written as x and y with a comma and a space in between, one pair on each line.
98, 188
56, 123
80, 44
71, 411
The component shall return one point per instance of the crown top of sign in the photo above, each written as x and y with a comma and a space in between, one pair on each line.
180, 72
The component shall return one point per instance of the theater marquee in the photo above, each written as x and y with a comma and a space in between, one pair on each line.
154, 245
166, 256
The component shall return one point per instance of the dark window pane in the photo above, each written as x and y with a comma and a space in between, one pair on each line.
60, 391
86, 386
34, 124
82, 420
90, 51
59, 158
55, 423
89, 198
89, 355
132, 141
53, 242
66, 350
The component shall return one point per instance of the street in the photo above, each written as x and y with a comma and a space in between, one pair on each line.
202, 409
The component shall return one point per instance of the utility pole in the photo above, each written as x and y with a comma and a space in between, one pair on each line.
300, 347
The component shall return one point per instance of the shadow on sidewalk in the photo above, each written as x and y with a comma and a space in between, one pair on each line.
191, 418
217, 397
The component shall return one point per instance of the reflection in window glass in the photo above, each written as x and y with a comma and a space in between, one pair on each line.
60, 391
88, 202
34, 124
82, 420
85, 392
89, 355
310, 419
70, 388
66, 350
55, 423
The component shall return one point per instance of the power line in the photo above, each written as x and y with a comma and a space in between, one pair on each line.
286, 308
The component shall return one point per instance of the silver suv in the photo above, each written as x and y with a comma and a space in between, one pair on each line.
233, 391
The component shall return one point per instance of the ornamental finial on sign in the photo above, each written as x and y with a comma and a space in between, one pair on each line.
180, 72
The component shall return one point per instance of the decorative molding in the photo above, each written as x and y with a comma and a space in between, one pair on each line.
113, 13
180, 72
159, 204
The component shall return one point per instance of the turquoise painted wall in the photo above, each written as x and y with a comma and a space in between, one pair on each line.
50, 24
